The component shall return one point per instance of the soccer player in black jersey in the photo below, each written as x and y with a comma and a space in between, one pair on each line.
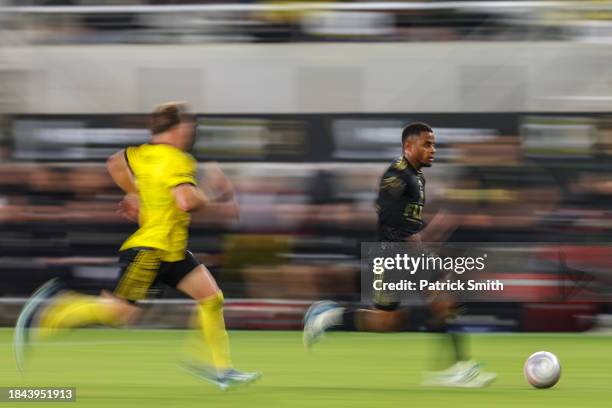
400, 202
401, 195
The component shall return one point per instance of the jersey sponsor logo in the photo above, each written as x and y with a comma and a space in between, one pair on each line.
414, 211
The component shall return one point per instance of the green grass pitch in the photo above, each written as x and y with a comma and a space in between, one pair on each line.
137, 368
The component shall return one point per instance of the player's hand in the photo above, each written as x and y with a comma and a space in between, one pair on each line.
414, 239
129, 207
216, 184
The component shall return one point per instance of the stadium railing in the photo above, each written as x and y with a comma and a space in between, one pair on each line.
318, 21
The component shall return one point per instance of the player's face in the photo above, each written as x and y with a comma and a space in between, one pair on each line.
422, 149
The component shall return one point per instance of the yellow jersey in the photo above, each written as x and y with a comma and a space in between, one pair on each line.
157, 169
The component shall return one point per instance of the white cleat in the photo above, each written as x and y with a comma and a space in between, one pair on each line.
27, 319
320, 317
483, 379
463, 374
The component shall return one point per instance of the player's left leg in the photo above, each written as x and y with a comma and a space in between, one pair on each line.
69, 309
72, 309
52, 308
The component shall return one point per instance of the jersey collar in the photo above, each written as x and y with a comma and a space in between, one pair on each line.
405, 163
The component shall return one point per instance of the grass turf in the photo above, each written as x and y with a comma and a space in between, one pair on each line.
137, 368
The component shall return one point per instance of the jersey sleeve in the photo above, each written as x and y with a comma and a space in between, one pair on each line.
182, 170
392, 184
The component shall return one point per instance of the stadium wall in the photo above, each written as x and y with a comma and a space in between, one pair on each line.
309, 78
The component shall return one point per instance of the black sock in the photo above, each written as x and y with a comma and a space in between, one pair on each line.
456, 342
348, 320
459, 346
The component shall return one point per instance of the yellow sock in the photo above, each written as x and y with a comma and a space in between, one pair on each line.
212, 325
75, 310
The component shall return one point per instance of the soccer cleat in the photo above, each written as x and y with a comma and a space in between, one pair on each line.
33, 305
206, 374
234, 376
223, 381
463, 374
320, 317
483, 379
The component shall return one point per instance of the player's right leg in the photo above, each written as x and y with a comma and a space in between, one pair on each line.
325, 315
198, 283
385, 316
320, 317
463, 373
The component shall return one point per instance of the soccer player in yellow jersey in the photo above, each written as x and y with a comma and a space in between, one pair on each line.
161, 190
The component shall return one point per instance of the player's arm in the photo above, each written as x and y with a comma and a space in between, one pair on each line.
215, 201
190, 198
119, 170
218, 185
223, 203
440, 227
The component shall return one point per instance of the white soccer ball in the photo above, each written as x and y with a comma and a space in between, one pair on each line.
542, 369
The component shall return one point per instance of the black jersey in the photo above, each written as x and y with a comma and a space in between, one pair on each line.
401, 197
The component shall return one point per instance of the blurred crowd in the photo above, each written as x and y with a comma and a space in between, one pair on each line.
288, 21
306, 182
302, 221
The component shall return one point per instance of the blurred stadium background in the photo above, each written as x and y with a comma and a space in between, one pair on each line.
303, 104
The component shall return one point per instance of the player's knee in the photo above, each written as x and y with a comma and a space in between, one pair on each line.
124, 312
442, 309
213, 302
384, 320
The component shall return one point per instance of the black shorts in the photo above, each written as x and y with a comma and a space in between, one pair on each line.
382, 299
388, 300
142, 268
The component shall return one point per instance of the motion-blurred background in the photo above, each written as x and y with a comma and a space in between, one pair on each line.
303, 105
